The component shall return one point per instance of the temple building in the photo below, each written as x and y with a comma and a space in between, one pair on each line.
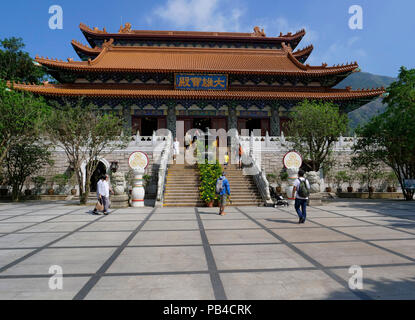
205, 79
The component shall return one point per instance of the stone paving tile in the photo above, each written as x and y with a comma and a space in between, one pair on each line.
173, 216
239, 236
340, 222
162, 259
291, 223
229, 224
311, 234
405, 247
395, 283
72, 261
76, 217
83, 239
55, 227
283, 285
123, 217
166, 287
38, 289
31, 218
171, 225
105, 225
389, 221
19, 240
7, 227
257, 257
156, 238
8, 256
348, 254
375, 232
215, 216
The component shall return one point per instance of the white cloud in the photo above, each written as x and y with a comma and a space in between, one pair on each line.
341, 52
273, 27
202, 15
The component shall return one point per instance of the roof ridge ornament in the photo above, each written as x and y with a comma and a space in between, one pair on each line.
125, 29
258, 32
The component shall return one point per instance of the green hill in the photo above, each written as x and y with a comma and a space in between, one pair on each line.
361, 80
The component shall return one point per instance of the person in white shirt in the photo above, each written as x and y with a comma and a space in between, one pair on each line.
103, 193
176, 148
301, 198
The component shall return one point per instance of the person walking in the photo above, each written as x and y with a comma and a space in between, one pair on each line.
224, 190
301, 192
103, 192
226, 160
176, 148
240, 153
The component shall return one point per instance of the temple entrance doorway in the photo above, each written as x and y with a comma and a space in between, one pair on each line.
147, 125
98, 173
251, 124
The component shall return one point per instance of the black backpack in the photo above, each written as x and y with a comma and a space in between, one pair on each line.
303, 191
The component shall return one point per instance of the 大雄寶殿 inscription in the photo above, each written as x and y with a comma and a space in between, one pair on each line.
201, 81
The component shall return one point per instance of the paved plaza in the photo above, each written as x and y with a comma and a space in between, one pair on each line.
192, 253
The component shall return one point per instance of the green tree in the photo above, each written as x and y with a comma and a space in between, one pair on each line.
17, 65
314, 129
22, 160
390, 136
365, 160
21, 115
85, 134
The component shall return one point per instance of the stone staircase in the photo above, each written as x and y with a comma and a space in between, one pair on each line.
244, 192
182, 187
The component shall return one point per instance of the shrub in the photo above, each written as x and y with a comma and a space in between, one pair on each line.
209, 173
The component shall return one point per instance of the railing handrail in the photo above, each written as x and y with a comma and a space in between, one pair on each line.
162, 172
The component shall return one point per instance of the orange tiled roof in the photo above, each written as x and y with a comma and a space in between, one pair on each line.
139, 92
212, 60
305, 51
191, 34
97, 50
85, 48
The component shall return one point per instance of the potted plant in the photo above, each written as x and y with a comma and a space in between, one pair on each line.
27, 190
329, 179
72, 182
4, 189
61, 180
38, 182
339, 178
350, 178
391, 181
51, 191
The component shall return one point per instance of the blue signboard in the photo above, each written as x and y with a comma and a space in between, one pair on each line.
184, 81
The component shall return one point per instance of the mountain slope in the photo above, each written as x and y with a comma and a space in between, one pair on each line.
361, 80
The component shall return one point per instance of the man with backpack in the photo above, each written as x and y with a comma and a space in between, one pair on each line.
301, 193
223, 189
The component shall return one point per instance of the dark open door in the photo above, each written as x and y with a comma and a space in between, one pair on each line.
265, 126
241, 125
135, 124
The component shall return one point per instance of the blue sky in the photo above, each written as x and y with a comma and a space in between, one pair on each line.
381, 47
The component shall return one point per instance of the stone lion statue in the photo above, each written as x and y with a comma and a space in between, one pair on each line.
119, 181
314, 180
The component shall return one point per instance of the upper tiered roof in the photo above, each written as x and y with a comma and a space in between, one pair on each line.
207, 60
95, 36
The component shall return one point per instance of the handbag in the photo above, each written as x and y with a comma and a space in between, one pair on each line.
99, 206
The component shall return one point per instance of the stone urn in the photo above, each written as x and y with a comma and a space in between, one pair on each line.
292, 176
